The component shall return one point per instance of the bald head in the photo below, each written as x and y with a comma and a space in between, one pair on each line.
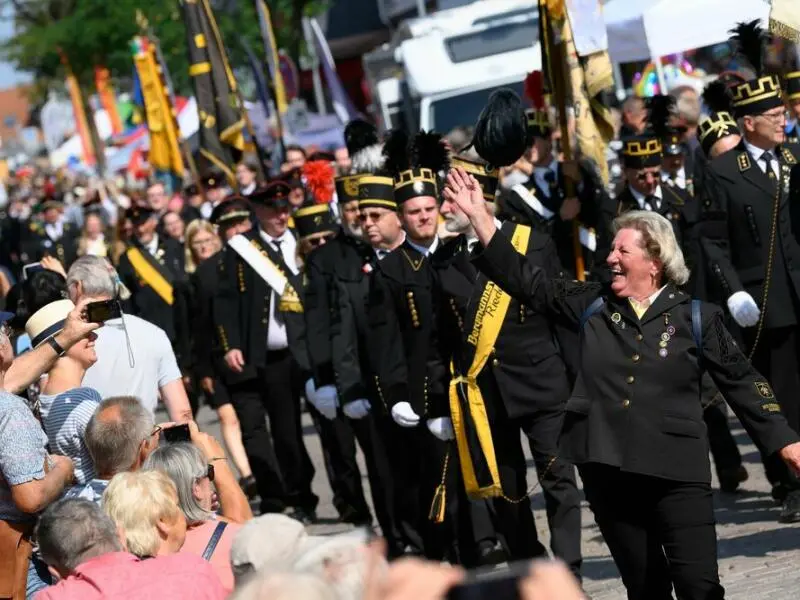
634, 114
118, 436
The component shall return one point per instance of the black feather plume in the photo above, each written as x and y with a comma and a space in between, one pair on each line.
716, 97
749, 40
661, 108
501, 131
396, 151
428, 151
359, 134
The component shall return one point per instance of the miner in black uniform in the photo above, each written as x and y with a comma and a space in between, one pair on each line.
335, 309
546, 194
675, 171
753, 223
152, 268
262, 376
506, 359
793, 102
411, 371
54, 236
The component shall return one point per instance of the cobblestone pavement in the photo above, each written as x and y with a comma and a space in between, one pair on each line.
759, 558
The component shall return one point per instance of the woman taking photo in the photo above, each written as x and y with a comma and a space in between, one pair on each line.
634, 423
202, 243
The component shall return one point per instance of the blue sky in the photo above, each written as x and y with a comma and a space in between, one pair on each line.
8, 76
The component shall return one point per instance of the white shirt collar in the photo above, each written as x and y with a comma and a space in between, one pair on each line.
422, 249
55, 230
755, 151
152, 247
247, 190
640, 197
381, 252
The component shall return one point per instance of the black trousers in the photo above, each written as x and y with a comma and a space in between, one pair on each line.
777, 357
418, 460
661, 533
515, 522
278, 456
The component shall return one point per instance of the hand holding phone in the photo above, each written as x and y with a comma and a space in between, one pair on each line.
102, 311
177, 434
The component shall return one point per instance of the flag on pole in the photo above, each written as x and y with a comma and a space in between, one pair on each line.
165, 152
341, 101
271, 48
222, 121
108, 99
88, 152
784, 19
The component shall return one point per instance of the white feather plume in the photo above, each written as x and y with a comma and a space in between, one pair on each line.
368, 160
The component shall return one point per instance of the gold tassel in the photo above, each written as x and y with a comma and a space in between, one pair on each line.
439, 503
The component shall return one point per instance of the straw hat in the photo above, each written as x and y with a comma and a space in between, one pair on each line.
48, 321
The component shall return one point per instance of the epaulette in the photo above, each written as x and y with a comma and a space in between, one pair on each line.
788, 156
743, 159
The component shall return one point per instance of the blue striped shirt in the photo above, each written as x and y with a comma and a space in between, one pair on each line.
65, 417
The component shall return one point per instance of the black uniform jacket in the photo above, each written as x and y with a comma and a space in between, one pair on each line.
336, 316
740, 220
296, 330
147, 304
206, 349
37, 244
403, 334
526, 371
241, 307
592, 195
636, 404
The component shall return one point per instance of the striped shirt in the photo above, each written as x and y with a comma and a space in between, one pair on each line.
65, 417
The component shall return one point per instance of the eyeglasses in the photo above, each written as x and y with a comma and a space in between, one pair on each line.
318, 241
775, 117
156, 430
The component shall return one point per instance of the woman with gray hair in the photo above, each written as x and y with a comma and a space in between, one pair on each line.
634, 423
195, 468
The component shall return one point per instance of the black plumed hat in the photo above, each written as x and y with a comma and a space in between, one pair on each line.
501, 135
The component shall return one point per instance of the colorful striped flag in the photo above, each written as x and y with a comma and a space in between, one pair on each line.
342, 104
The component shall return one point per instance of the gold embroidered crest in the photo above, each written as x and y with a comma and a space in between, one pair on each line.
764, 390
788, 156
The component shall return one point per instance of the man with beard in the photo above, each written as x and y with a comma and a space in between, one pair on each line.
505, 359
335, 310
410, 369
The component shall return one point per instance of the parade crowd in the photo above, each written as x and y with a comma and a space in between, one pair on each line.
436, 301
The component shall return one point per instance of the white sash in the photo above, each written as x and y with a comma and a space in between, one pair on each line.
260, 263
588, 237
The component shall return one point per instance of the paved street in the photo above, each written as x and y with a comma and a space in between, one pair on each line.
759, 558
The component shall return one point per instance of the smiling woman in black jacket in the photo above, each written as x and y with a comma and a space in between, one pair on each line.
634, 422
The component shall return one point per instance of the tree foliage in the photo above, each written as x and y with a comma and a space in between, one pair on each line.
90, 33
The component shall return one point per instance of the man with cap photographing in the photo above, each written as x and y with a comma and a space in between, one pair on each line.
262, 376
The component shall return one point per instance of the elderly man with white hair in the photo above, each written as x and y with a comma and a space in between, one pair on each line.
634, 423
135, 357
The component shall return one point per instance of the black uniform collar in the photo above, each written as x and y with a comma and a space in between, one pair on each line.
669, 298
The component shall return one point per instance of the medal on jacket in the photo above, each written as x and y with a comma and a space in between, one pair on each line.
669, 332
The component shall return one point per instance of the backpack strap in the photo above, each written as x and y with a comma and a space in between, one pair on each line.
595, 307
697, 329
215, 537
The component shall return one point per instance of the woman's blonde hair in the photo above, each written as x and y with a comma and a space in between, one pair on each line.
195, 227
659, 242
136, 502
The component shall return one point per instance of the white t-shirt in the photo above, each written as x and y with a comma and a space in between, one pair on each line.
154, 363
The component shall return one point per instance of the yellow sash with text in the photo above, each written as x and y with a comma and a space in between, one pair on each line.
470, 420
150, 275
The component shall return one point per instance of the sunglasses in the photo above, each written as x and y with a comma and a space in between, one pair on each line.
318, 241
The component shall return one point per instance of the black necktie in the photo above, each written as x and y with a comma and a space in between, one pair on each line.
652, 201
768, 157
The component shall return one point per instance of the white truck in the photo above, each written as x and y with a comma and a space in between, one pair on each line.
438, 71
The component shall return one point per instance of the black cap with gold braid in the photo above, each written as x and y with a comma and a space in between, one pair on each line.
719, 123
347, 188
415, 163
792, 86
762, 93
487, 178
641, 151
376, 191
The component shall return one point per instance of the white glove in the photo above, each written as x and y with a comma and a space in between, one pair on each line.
442, 428
744, 309
325, 399
357, 409
404, 415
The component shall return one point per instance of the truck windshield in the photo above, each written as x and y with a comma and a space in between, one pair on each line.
463, 110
